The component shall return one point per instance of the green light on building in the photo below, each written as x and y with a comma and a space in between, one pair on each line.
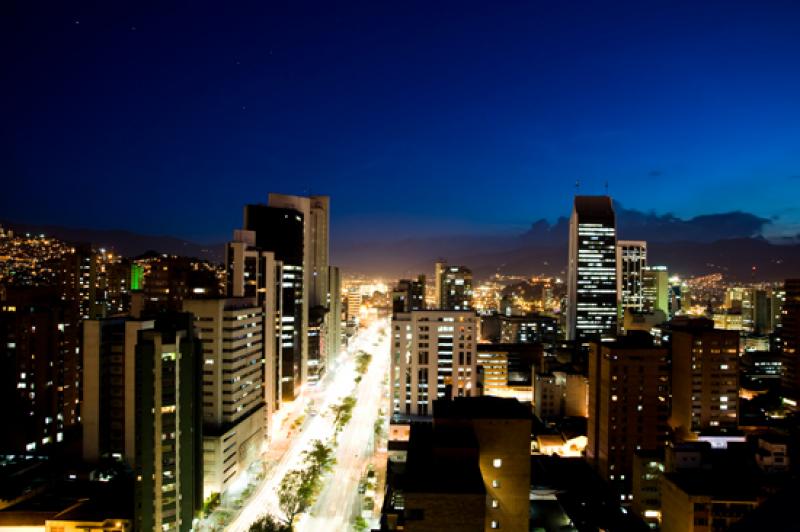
137, 276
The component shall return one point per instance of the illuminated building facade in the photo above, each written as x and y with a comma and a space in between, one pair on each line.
592, 270
455, 288
705, 375
234, 410
655, 289
631, 263
528, 329
254, 273
434, 355
354, 299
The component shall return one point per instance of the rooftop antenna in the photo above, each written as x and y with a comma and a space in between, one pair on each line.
606, 187
577, 186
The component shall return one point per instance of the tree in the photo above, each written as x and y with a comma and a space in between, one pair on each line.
362, 362
267, 523
360, 524
343, 412
295, 494
319, 458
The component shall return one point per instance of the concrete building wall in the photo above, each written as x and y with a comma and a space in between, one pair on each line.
505, 466
445, 512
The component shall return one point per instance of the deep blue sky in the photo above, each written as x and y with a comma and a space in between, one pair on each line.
416, 117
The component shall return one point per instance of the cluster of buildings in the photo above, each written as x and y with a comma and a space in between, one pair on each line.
165, 397
641, 401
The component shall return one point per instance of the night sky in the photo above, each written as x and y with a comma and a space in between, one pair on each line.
416, 117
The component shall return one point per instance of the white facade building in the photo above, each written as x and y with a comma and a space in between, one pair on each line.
434, 353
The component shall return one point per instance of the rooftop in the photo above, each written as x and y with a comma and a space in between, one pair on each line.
484, 407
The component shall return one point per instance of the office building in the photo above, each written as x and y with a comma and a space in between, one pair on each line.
39, 370
334, 314
168, 426
506, 370
656, 290
234, 407
315, 211
628, 405
592, 270
434, 355
455, 287
109, 388
408, 295
319, 252
438, 270
528, 329
254, 273
631, 263
354, 299
317, 343
282, 231
705, 375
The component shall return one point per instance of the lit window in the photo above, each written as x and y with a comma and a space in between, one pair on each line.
495, 483
495, 524
495, 503
497, 462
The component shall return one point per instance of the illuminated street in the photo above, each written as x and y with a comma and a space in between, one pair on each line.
335, 503
333, 510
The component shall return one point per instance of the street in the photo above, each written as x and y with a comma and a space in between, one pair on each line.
333, 508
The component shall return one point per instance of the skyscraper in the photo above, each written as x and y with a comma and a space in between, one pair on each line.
631, 262
438, 269
109, 388
254, 273
591, 275
234, 410
282, 230
319, 244
655, 289
169, 444
455, 288
334, 314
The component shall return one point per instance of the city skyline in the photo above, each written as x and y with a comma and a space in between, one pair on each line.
353, 101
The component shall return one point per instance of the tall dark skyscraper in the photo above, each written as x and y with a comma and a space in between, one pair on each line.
592, 270
281, 230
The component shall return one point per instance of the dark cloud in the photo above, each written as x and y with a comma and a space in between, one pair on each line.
655, 173
638, 225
